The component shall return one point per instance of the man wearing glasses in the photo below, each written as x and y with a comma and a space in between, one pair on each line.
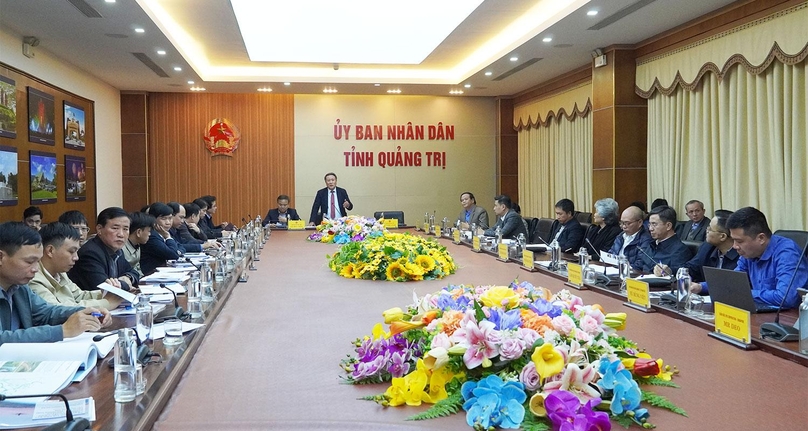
666, 254
716, 252
76, 219
634, 237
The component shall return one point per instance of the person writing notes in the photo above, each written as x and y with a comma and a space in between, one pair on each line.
666, 254
282, 214
331, 202
24, 316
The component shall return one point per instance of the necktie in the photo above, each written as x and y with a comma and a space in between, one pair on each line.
333, 205
720, 261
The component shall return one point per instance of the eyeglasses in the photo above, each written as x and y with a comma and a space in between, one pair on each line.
626, 223
714, 231
82, 229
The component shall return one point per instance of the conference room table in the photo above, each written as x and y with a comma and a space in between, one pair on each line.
270, 359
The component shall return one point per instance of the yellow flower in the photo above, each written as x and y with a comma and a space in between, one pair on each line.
436, 358
357, 227
500, 297
427, 263
347, 271
616, 321
410, 388
548, 360
393, 314
396, 272
400, 326
378, 332
537, 405
437, 385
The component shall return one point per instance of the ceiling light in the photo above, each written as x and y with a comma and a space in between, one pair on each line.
265, 89
592, 12
514, 58
161, 52
467, 85
456, 92
329, 90
178, 69
190, 82
287, 83
396, 91
547, 39
197, 88
110, 1
140, 30
489, 73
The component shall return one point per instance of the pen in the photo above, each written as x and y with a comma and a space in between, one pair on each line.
97, 314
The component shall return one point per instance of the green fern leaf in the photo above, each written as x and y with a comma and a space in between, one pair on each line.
660, 401
656, 381
623, 421
533, 423
444, 407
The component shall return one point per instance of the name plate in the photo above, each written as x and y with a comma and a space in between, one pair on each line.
733, 322
527, 260
456, 236
475, 243
575, 274
391, 223
638, 294
297, 224
437, 231
502, 251
425, 227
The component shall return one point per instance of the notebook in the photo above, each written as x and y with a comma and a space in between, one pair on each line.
733, 288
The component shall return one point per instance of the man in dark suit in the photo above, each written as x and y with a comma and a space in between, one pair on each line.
716, 252
508, 221
331, 202
634, 237
471, 213
566, 229
666, 254
282, 214
696, 228
101, 258
206, 221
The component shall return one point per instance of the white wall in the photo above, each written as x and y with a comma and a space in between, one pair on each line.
57, 72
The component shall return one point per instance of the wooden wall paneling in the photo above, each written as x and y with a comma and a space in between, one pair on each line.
134, 150
508, 149
51, 211
182, 169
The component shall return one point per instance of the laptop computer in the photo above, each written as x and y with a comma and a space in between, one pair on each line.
733, 288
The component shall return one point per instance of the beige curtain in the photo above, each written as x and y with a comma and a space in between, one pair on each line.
555, 162
737, 142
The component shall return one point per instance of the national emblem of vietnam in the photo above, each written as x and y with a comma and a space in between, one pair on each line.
222, 137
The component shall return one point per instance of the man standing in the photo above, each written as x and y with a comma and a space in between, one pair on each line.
471, 213
770, 260
667, 253
24, 316
101, 258
634, 237
716, 252
696, 228
566, 229
332, 202
508, 221
282, 214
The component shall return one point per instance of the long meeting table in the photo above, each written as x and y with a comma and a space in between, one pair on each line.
270, 360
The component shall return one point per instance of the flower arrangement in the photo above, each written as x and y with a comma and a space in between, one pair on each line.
347, 229
512, 356
393, 257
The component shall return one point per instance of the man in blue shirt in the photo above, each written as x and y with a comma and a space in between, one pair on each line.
770, 260
24, 316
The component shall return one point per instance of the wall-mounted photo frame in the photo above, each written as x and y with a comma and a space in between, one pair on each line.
75, 126
8, 107
75, 179
41, 116
43, 178
8, 176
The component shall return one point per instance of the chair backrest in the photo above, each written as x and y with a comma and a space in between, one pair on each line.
532, 223
583, 217
390, 215
693, 246
798, 236
680, 225
543, 228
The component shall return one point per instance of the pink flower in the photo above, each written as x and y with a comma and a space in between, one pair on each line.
511, 348
528, 335
441, 340
480, 340
563, 324
529, 377
590, 325
576, 381
583, 337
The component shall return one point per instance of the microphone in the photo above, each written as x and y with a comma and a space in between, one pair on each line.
652, 259
100, 337
188, 260
596, 253
775, 330
68, 424
179, 313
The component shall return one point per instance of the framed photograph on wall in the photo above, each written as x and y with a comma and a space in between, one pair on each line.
41, 117
74, 126
8, 108
75, 179
8, 176
43, 178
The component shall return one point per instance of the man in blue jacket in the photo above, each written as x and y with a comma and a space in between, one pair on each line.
634, 237
24, 316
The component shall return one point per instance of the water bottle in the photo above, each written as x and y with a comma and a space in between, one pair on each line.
145, 317
682, 283
220, 267
555, 255
194, 288
498, 234
583, 258
125, 367
804, 325
522, 241
206, 282
624, 269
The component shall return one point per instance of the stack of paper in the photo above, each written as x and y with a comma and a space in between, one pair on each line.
15, 415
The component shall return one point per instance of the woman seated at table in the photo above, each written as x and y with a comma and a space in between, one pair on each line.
604, 229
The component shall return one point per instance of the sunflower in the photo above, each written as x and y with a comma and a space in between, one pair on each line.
347, 271
395, 271
427, 263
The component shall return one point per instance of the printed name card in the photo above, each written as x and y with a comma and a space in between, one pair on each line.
437, 231
638, 294
297, 224
390, 223
575, 274
527, 259
456, 236
502, 251
475, 243
733, 322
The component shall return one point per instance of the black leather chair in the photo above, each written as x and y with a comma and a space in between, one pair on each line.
798, 236
693, 246
391, 214
543, 228
532, 223
680, 225
583, 217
